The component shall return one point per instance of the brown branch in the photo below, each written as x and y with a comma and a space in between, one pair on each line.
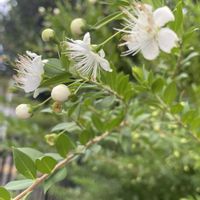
70, 157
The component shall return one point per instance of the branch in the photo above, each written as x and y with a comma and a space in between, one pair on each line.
70, 157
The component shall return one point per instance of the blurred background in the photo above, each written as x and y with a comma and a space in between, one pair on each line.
151, 160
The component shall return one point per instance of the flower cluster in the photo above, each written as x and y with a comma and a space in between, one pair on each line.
143, 31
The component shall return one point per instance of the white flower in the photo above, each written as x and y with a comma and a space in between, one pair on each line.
23, 111
60, 93
30, 69
145, 31
86, 59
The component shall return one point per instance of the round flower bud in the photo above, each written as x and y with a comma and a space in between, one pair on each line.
47, 34
77, 26
41, 10
56, 11
60, 93
23, 111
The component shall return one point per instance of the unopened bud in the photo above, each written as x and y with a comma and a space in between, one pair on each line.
60, 93
77, 26
23, 111
41, 10
56, 11
47, 34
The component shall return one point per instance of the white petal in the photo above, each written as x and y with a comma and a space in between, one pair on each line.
102, 53
150, 51
104, 64
167, 39
162, 16
31, 83
86, 38
31, 54
37, 65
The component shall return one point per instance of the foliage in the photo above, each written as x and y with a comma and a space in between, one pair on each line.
132, 133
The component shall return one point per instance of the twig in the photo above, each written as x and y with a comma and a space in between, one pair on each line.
70, 157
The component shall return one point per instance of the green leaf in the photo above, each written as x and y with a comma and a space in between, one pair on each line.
177, 108
61, 78
55, 156
170, 93
19, 185
138, 74
53, 67
115, 121
119, 84
195, 124
45, 164
68, 126
32, 153
85, 136
24, 164
99, 125
158, 85
64, 145
54, 178
4, 194
178, 24
188, 117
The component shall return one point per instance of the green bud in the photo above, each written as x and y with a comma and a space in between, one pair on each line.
47, 34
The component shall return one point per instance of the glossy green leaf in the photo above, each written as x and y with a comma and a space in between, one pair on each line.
53, 67
64, 145
61, 78
55, 156
32, 153
195, 124
24, 164
45, 164
85, 136
188, 117
178, 24
157, 85
99, 125
177, 108
19, 185
170, 93
68, 126
138, 74
54, 178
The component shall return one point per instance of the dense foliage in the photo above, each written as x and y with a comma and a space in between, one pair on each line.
132, 133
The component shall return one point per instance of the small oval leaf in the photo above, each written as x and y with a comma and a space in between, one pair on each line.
45, 164
64, 144
24, 164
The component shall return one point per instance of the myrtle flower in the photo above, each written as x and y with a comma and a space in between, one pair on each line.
30, 68
86, 59
144, 31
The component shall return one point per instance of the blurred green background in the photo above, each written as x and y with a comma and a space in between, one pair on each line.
153, 159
